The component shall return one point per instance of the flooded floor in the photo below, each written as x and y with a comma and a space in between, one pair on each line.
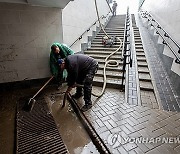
72, 132
8, 101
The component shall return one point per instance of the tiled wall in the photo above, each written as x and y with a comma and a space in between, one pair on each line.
26, 34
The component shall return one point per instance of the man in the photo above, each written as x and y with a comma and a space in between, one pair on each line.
114, 8
81, 70
58, 51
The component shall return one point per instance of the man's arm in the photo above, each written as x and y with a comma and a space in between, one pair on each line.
67, 50
72, 74
53, 65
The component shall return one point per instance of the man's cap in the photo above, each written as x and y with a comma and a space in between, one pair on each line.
60, 61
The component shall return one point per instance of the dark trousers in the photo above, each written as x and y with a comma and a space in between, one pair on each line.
87, 80
59, 78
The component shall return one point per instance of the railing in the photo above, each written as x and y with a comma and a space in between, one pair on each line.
94, 23
158, 27
126, 52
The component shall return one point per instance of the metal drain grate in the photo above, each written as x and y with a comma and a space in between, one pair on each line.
37, 131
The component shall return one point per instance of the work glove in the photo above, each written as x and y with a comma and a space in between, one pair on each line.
68, 90
60, 61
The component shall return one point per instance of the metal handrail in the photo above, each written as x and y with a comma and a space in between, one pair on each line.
109, 7
80, 37
163, 37
125, 46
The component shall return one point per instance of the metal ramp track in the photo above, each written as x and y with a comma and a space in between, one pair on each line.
37, 131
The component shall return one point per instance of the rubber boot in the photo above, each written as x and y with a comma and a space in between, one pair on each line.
78, 93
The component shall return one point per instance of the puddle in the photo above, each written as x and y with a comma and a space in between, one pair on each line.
72, 132
8, 101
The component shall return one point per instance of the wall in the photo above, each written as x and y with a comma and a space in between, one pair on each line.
26, 34
166, 13
78, 16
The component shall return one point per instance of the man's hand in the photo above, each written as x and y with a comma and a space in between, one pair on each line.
68, 90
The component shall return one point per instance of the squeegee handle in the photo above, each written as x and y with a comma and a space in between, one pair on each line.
43, 87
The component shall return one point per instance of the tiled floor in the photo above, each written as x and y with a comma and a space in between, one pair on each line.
121, 125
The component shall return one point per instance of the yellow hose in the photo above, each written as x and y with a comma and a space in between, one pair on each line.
106, 60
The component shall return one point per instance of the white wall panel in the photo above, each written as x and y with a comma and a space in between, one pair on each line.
166, 13
26, 34
78, 16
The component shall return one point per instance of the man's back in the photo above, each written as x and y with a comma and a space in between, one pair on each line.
80, 62
78, 66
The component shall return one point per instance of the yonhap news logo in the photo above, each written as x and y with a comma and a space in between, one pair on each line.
116, 140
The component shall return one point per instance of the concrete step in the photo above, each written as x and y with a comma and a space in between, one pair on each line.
136, 29
142, 63
100, 36
113, 57
138, 44
102, 52
140, 53
144, 76
108, 68
114, 28
138, 41
140, 50
146, 85
111, 82
107, 46
101, 49
139, 47
143, 69
109, 74
114, 25
137, 37
112, 32
141, 59
99, 40
101, 62
136, 32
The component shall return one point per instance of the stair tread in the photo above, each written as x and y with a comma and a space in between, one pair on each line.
109, 80
145, 84
110, 72
118, 68
102, 48
144, 76
142, 63
143, 69
104, 56
101, 52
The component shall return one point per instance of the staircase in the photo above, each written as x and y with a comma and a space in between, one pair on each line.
115, 27
147, 91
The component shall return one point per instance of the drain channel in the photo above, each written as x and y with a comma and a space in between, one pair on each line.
96, 139
37, 131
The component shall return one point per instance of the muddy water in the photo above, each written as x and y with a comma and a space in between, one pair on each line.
71, 130
8, 101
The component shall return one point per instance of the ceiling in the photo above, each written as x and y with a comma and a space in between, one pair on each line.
49, 3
